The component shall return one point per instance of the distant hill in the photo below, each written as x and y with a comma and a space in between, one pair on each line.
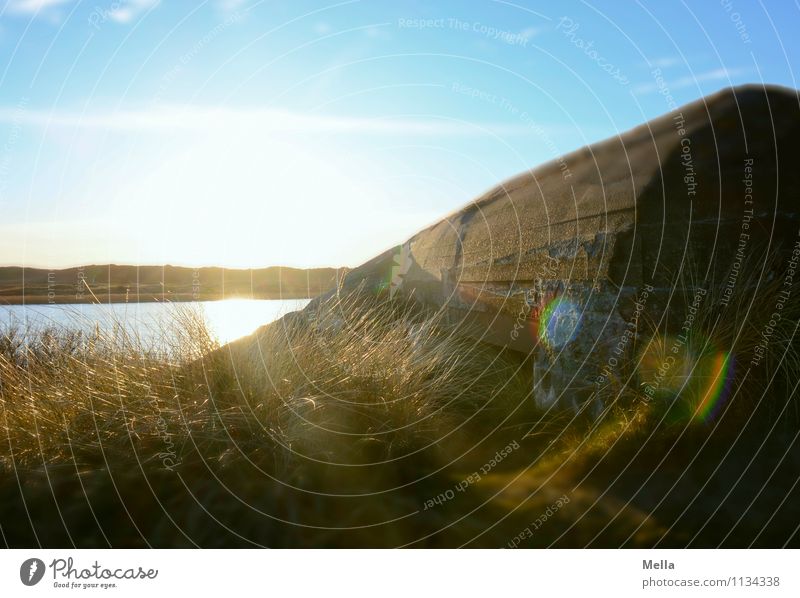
115, 283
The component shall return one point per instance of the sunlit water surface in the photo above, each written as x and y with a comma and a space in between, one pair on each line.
227, 320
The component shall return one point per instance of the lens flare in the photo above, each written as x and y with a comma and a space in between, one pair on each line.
559, 322
394, 275
668, 367
720, 376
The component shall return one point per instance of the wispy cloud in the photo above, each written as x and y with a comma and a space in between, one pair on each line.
664, 62
191, 118
230, 5
126, 11
530, 32
33, 6
721, 74
669, 61
322, 28
120, 11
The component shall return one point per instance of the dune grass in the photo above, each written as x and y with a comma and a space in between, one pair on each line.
359, 404
367, 422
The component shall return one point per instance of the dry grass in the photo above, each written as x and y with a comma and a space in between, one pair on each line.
367, 396
329, 429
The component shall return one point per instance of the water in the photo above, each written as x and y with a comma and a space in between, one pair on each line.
228, 319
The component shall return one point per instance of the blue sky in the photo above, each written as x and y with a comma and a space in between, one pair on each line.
247, 133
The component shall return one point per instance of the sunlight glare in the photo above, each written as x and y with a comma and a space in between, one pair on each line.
230, 319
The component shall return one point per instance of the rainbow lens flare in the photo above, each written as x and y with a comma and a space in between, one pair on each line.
719, 378
559, 322
669, 368
392, 279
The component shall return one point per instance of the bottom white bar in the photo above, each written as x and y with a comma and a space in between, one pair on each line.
401, 574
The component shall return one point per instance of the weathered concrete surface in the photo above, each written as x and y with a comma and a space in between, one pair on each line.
625, 207
556, 261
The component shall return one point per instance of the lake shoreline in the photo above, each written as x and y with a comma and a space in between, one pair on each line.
113, 283
121, 298
148, 321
